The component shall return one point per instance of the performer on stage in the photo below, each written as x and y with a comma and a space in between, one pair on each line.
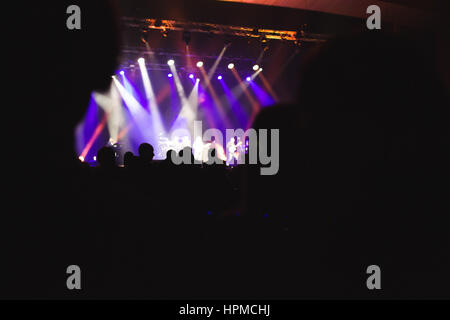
234, 147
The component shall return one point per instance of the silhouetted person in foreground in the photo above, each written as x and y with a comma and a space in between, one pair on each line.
146, 155
369, 182
129, 160
40, 235
106, 158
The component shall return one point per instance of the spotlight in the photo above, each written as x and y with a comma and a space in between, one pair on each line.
199, 64
249, 79
191, 76
198, 80
170, 75
141, 60
260, 69
231, 66
255, 67
122, 73
171, 62
219, 78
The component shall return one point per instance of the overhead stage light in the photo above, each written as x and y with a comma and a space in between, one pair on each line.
141, 60
122, 73
231, 66
219, 78
191, 76
255, 67
199, 64
249, 79
170, 75
171, 62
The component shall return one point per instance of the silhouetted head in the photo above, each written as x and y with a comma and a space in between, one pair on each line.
146, 152
106, 157
128, 159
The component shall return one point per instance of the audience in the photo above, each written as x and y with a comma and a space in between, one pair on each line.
106, 158
146, 154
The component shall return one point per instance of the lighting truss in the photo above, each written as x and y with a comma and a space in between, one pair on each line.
247, 32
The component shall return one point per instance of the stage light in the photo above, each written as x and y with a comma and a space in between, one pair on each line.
122, 73
198, 80
170, 75
219, 78
255, 67
249, 79
152, 102
191, 76
213, 69
231, 66
171, 62
260, 69
141, 60
199, 64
